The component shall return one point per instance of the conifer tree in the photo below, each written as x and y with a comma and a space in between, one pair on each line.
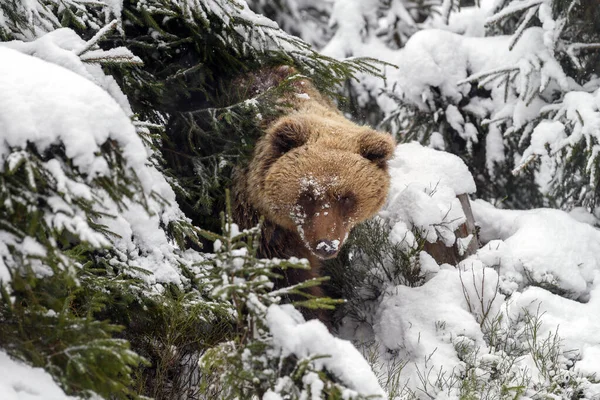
274, 352
563, 138
306, 19
519, 123
102, 320
190, 85
80, 293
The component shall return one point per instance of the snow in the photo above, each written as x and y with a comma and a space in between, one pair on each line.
414, 162
309, 339
53, 97
86, 118
439, 59
29, 247
444, 60
569, 318
494, 147
544, 140
422, 196
19, 381
532, 285
539, 262
329, 246
470, 21
143, 243
65, 48
553, 248
583, 111
581, 214
349, 17
424, 324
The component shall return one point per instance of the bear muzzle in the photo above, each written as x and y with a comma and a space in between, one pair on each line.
322, 216
327, 249
324, 236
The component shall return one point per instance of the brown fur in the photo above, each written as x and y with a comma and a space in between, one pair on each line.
314, 175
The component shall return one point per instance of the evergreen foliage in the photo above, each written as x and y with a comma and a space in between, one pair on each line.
43, 320
562, 78
29, 20
306, 19
90, 310
195, 57
252, 363
370, 262
76, 302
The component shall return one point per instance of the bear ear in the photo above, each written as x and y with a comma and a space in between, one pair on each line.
376, 147
289, 133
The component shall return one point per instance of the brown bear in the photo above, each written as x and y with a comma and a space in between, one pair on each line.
314, 175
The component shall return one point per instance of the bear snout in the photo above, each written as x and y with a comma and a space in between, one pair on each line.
323, 228
327, 248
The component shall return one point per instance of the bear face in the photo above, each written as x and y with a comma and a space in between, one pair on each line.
317, 174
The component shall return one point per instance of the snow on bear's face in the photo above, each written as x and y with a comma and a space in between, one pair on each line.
323, 177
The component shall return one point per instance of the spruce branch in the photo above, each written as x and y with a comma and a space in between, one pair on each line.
522, 165
488, 76
522, 26
115, 56
514, 8
447, 8
574, 49
101, 34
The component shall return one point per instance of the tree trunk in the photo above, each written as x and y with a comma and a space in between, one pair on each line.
458, 252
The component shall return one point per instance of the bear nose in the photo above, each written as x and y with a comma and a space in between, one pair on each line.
327, 248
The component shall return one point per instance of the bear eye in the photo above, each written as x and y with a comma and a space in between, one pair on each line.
307, 202
289, 134
347, 202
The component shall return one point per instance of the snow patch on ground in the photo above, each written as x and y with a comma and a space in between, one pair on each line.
573, 321
425, 324
545, 247
538, 270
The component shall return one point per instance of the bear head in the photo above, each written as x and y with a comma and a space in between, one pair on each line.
319, 176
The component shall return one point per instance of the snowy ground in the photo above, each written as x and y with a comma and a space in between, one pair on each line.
534, 286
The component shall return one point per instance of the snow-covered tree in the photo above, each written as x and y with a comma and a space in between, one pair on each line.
193, 55
95, 276
501, 85
505, 90
307, 19
103, 280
